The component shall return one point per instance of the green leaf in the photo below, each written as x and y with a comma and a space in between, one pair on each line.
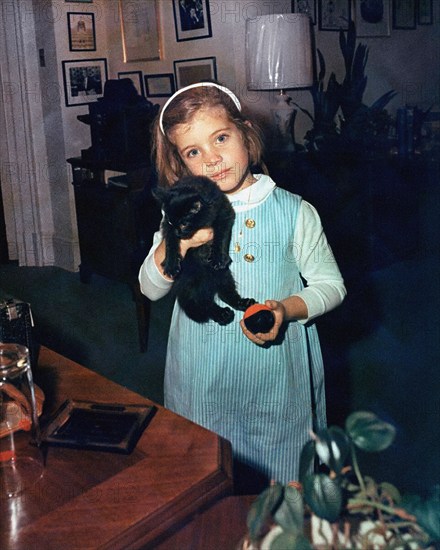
368, 432
324, 496
290, 514
262, 509
290, 541
332, 447
355, 508
383, 100
426, 511
391, 492
306, 460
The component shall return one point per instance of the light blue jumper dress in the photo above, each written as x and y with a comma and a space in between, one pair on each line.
259, 398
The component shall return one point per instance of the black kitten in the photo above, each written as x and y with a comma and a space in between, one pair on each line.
190, 204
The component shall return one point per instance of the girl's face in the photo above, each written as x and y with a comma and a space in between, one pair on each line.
211, 145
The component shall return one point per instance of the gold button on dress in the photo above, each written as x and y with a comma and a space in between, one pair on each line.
249, 223
249, 258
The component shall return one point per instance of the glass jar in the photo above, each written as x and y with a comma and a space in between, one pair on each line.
21, 461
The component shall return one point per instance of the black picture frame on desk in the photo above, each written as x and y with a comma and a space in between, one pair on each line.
84, 80
404, 14
81, 27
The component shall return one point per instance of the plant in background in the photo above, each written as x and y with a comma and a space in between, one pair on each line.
341, 121
346, 509
361, 126
326, 104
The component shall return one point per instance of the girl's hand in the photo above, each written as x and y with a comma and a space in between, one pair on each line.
200, 237
261, 338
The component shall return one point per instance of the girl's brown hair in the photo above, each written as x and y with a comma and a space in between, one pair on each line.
181, 110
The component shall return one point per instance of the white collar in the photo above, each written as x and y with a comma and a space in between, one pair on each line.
254, 195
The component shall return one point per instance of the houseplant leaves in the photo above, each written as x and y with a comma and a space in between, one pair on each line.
332, 447
263, 507
324, 496
368, 432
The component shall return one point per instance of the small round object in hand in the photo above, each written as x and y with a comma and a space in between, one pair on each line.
259, 318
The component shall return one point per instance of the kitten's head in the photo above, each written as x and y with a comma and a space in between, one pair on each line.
186, 205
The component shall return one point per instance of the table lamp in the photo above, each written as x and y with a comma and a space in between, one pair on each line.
279, 57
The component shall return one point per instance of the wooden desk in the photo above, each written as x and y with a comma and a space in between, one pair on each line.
223, 526
89, 499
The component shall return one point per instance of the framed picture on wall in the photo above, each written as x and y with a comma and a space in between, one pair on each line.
159, 85
140, 30
84, 80
81, 27
425, 12
334, 15
189, 71
374, 19
136, 78
192, 19
404, 14
305, 6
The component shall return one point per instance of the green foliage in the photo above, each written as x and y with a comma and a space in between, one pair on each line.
427, 512
358, 126
340, 491
323, 495
262, 509
290, 513
332, 447
368, 432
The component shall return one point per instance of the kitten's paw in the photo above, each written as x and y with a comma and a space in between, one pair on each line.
172, 269
244, 303
223, 316
220, 261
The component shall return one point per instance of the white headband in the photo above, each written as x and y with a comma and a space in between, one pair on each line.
197, 85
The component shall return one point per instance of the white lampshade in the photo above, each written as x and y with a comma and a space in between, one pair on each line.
279, 52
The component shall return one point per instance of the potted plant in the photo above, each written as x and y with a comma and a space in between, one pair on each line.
341, 121
338, 506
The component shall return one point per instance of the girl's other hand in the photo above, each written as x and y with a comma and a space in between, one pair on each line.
261, 338
200, 237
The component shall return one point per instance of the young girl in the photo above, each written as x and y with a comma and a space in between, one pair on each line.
254, 390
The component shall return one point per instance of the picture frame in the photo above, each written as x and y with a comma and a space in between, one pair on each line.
404, 14
192, 19
81, 27
305, 6
140, 26
334, 15
190, 71
84, 80
159, 85
136, 78
366, 28
425, 15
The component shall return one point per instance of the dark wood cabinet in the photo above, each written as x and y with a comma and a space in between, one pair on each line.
116, 218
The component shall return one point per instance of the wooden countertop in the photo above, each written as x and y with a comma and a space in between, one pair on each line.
89, 499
